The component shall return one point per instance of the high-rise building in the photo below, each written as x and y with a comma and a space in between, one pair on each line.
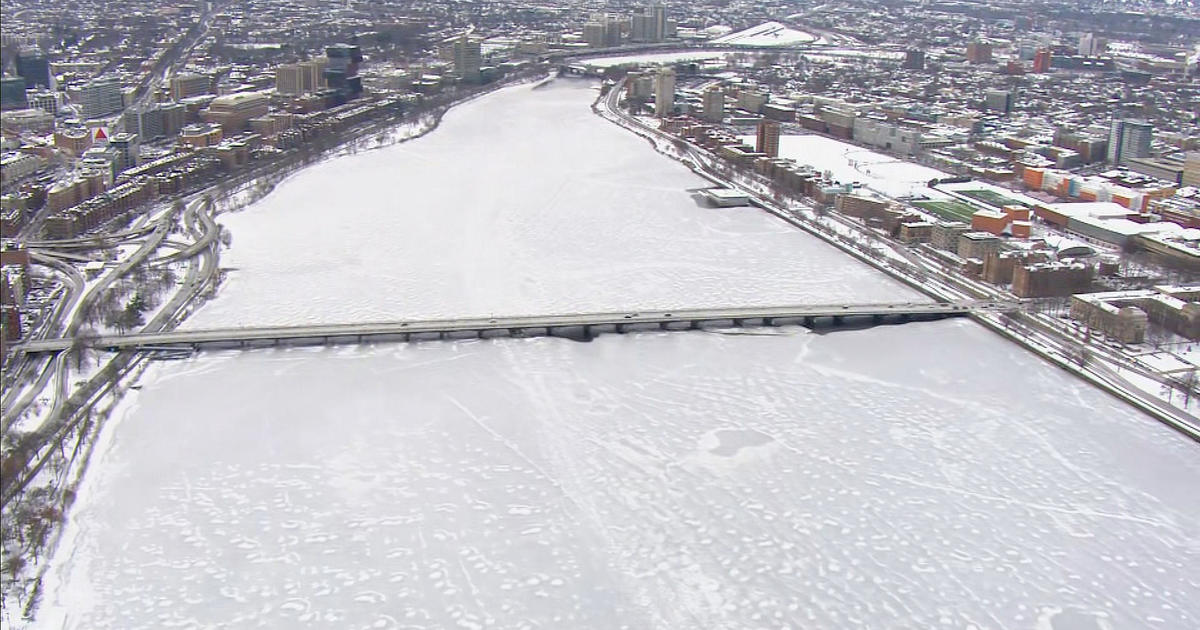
101, 97
312, 77
12, 93
664, 92
594, 35
468, 58
1041, 60
289, 79
998, 101
146, 122
1128, 138
125, 148
914, 60
640, 86
602, 31
1191, 169
189, 84
34, 67
341, 71
641, 26
155, 121
714, 104
767, 141
979, 51
658, 13
1088, 45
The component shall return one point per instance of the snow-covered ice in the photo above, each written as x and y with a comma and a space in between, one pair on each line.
660, 480
522, 202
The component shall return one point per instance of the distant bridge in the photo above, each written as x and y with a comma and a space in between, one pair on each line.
578, 326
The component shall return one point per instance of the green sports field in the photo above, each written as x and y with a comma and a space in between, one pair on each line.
950, 210
991, 197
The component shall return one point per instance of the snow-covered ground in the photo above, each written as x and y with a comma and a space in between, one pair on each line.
848, 163
931, 475
550, 210
661, 480
652, 58
767, 34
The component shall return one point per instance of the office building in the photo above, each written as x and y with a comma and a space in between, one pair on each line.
1165, 168
767, 141
233, 112
1000, 101
125, 149
1191, 169
641, 26
155, 121
714, 105
658, 14
468, 59
341, 70
44, 100
640, 86
12, 93
602, 31
1129, 138
594, 34
664, 92
1089, 45
979, 52
312, 75
34, 67
289, 79
100, 97
304, 77
1042, 60
914, 60
190, 84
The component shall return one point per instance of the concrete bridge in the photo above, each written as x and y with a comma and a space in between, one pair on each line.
579, 326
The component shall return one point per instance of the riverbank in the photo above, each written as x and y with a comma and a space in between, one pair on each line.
931, 280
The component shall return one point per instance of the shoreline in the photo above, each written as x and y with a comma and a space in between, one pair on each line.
1173, 417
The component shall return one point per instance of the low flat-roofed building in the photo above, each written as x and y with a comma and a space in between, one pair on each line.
726, 198
1164, 168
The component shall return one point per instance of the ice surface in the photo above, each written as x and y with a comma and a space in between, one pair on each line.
664, 480
848, 163
522, 202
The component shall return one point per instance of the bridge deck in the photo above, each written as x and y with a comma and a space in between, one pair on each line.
619, 321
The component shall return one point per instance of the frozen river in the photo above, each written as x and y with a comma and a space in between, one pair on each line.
918, 476
524, 202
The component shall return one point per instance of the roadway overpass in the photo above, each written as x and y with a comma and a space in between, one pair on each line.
575, 326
